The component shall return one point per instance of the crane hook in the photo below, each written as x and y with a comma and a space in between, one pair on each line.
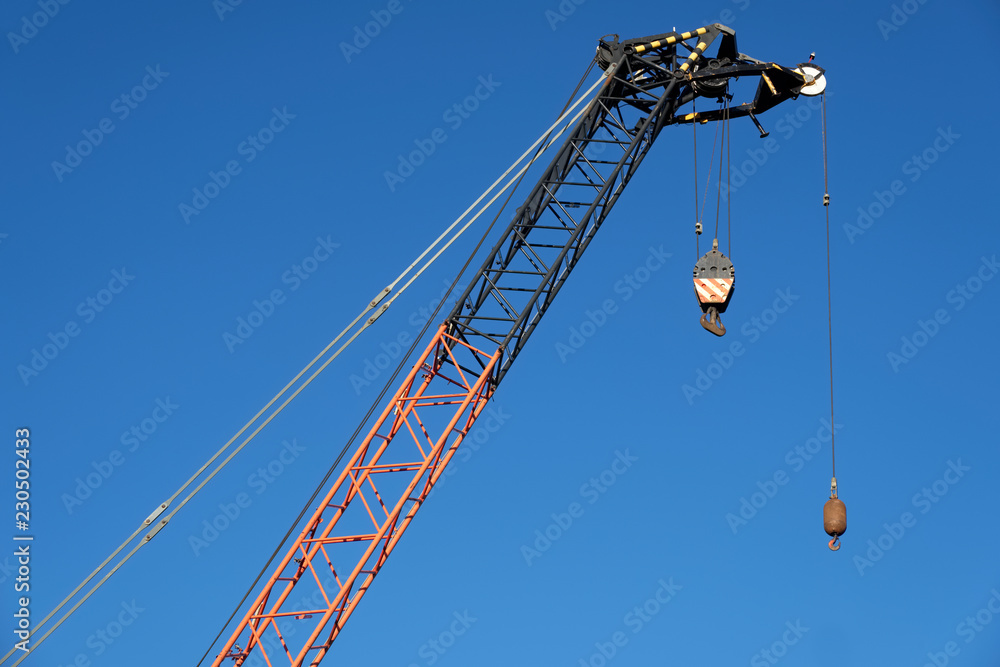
712, 322
834, 543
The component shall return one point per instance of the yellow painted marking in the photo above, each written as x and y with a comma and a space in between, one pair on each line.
701, 47
770, 85
655, 45
670, 40
691, 59
690, 116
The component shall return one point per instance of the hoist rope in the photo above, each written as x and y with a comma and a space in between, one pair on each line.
159, 522
729, 182
391, 381
829, 288
697, 220
708, 180
711, 163
722, 148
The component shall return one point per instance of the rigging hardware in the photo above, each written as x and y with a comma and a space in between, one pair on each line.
714, 280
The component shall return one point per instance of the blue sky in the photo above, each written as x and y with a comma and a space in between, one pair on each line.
173, 169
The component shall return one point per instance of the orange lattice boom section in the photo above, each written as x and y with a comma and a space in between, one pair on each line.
330, 566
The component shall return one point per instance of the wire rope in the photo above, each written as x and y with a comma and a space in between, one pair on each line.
366, 310
829, 290
389, 383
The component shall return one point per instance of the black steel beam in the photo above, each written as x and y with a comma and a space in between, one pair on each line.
647, 83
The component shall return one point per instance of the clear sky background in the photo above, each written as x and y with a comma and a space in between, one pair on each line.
912, 173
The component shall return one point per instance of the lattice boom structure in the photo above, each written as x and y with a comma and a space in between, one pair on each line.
344, 544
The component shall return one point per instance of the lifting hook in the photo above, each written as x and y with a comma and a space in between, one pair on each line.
834, 543
712, 322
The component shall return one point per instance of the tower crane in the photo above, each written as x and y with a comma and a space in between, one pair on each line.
325, 572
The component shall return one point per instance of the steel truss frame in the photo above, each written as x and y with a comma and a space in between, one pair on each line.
348, 538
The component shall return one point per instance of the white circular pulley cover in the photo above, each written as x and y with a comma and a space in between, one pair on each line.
815, 80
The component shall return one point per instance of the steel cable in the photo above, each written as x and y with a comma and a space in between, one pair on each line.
371, 305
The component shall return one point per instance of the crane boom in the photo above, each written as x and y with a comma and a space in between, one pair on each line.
322, 577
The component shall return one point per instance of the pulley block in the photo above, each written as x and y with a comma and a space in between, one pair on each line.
714, 280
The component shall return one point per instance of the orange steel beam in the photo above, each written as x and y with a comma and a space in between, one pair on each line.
331, 565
